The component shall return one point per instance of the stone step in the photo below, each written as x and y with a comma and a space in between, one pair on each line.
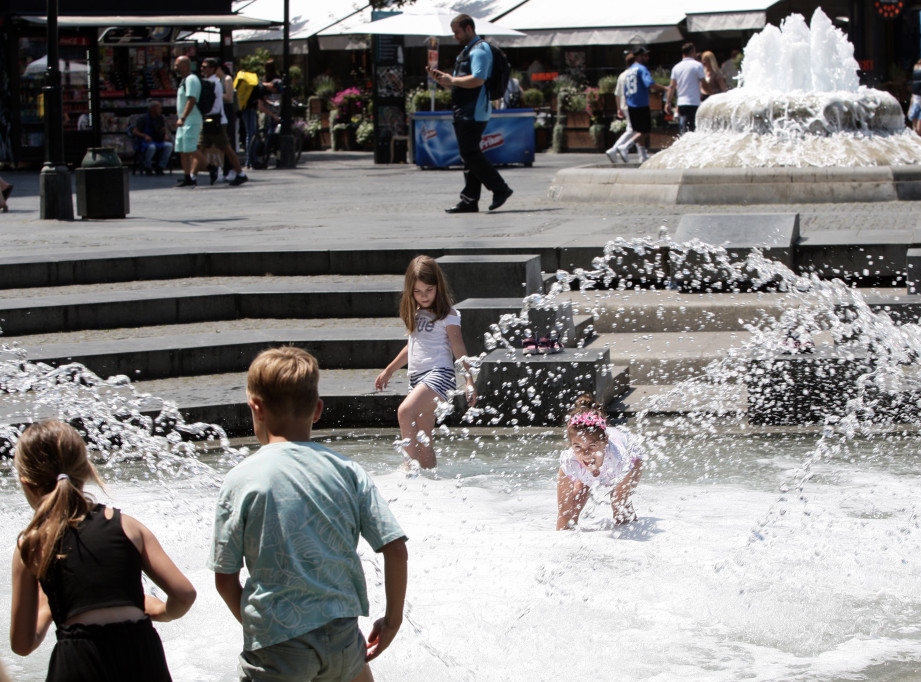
531, 390
479, 314
349, 400
192, 300
223, 347
667, 357
102, 265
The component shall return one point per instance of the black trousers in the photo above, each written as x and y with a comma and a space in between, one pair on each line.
478, 171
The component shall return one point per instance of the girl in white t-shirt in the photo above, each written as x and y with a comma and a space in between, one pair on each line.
435, 342
599, 457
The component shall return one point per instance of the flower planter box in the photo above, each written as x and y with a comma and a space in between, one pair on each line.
578, 119
315, 105
325, 139
542, 138
579, 141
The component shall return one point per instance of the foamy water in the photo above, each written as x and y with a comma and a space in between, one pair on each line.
723, 577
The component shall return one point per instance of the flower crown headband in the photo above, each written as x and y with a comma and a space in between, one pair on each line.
588, 420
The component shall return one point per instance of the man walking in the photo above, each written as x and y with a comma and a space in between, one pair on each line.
472, 109
622, 110
686, 77
638, 83
188, 126
214, 129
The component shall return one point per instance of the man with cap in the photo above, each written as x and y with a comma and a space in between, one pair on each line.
638, 83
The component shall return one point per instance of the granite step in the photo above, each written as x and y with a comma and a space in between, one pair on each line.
191, 300
219, 347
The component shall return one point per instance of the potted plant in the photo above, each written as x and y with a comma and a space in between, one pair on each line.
350, 107
607, 85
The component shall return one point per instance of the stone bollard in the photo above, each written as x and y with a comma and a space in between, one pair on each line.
102, 185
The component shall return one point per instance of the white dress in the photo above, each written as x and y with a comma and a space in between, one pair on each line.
620, 454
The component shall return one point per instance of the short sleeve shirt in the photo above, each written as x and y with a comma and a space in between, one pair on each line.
475, 60
687, 75
636, 86
620, 453
190, 87
292, 514
429, 346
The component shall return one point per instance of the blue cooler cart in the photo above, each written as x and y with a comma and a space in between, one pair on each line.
509, 138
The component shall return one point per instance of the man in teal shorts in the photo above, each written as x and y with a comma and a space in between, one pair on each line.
188, 127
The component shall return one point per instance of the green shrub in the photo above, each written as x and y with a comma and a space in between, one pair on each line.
607, 84
532, 97
324, 86
421, 100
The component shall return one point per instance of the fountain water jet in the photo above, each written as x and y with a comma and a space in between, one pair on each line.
799, 105
708, 584
800, 128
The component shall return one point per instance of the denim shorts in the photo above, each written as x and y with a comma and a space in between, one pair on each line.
914, 109
332, 652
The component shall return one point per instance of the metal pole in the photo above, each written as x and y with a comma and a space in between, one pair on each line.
54, 181
286, 139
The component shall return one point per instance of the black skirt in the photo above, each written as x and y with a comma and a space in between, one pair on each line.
115, 652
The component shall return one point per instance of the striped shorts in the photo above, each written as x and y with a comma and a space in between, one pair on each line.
442, 380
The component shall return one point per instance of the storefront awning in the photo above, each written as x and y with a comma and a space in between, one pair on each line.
182, 21
727, 15
598, 22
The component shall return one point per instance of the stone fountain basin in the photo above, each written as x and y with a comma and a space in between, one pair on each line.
736, 186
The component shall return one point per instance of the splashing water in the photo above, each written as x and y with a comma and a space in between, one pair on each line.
800, 105
756, 555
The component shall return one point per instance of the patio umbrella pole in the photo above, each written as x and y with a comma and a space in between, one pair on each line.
286, 139
54, 181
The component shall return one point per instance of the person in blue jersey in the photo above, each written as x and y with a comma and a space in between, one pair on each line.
472, 109
638, 83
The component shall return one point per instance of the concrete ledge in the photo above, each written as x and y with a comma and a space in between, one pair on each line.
539, 389
488, 276
803, 388
728, 186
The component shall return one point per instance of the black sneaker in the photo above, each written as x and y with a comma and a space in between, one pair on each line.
212, 173
158, 170
237, 181
187, 182
464, 207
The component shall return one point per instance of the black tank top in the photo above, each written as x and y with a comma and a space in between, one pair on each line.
101, 568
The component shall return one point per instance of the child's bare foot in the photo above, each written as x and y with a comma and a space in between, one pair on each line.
624, 513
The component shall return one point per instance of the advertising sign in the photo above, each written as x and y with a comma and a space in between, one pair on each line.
508, 138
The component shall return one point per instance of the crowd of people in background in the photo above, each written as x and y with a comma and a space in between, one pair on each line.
692, 80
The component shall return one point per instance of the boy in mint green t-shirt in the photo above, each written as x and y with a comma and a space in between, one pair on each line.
292, 514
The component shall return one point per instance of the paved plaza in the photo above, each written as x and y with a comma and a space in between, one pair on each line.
343, 200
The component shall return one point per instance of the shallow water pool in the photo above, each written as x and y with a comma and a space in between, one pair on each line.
752, 559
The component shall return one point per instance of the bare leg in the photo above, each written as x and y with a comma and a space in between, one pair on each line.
417, 413
571, 497
620, 496
365, 675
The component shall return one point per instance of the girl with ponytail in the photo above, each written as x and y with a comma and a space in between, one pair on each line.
79, 564
599, 457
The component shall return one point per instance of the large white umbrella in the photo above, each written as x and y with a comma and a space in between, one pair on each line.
431, 22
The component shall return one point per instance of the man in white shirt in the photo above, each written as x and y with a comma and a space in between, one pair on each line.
213, 132
686, 77
621, 96
730, 68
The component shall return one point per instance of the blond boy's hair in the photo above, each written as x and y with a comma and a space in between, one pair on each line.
285, 380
